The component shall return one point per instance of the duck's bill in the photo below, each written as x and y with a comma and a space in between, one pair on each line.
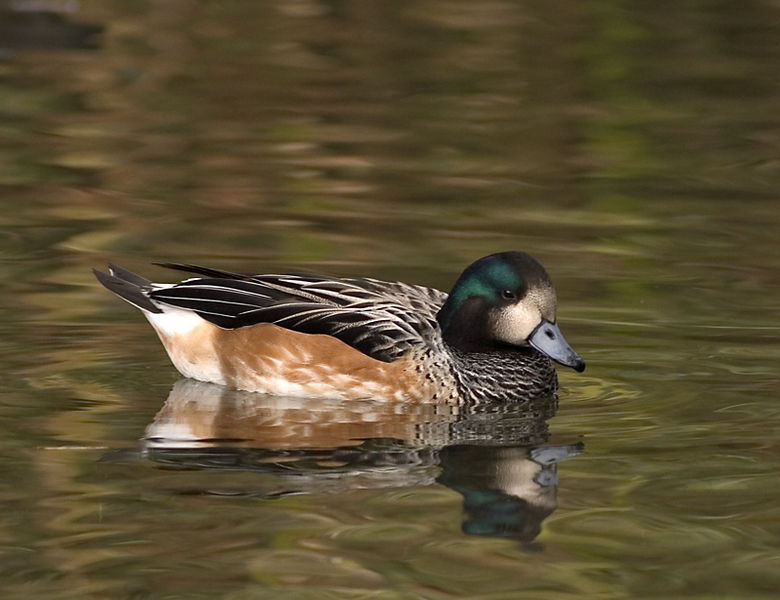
548, 340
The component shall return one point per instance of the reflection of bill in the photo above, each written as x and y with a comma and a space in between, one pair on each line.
490, 454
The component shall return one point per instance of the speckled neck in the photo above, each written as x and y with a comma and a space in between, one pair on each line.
504, 375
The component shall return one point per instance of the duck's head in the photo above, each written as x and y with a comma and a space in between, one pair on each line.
505, 299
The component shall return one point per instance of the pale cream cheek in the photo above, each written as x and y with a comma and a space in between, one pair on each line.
515, 323
543, 299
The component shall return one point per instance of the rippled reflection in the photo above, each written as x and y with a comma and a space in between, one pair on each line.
493, 455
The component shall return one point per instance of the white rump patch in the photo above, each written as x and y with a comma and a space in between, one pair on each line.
174, 321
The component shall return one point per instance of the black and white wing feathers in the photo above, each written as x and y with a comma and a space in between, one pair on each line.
381, 319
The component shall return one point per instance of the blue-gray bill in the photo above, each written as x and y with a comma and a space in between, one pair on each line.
548, 340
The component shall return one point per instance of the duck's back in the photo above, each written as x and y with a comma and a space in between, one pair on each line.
383, 320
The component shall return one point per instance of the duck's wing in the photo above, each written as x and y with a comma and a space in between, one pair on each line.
381, 319
425, 302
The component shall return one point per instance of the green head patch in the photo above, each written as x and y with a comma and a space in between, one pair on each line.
486, 279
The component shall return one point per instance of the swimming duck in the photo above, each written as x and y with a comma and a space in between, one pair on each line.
494, 337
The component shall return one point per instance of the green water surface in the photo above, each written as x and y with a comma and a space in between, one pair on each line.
632, 147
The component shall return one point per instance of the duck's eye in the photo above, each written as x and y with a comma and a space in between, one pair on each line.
509, 294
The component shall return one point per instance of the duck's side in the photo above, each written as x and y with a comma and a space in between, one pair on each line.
270, 359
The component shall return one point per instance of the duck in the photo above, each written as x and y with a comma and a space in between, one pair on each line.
494, 337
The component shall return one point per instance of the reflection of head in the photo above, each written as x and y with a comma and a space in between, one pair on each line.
493, 513
505, 493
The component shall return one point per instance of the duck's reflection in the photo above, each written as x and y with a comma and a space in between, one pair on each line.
494, 455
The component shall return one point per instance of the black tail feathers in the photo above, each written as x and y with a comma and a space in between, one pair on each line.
128, 286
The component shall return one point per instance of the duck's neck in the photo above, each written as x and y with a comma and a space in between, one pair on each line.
465, 327
503, 375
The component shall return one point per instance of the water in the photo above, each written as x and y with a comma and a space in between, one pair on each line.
631, 147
